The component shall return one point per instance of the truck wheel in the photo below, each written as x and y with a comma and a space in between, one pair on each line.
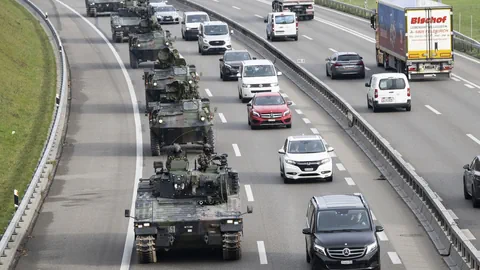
154, 144
133, 61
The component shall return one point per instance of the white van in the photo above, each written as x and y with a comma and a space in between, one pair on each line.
214, 37
282, 25
389, 90
191, 22
256, 76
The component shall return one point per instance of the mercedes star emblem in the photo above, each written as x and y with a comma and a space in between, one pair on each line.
261, 85
346, 252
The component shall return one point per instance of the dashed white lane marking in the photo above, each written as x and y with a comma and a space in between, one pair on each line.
373, 216
432, 109
333, 50
248, 191
452, 214
340, 167
332, 154
465, 80
366, 68
455, 79
349, 181
314, 131
261, 252
307, 37
469, 86
208, 92
468, 234
306, 121
473, 138
394, 258
382, 236
284, 95
298, 111
236, 7
256, 15
222, 117
236, 149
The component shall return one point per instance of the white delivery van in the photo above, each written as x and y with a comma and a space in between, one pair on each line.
256, 76
282, 25
389, 90
191, 22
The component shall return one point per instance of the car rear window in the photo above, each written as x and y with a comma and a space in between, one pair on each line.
392, 84
348, 57
284, 19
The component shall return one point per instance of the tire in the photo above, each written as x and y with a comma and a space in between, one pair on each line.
199, 50
306, 253
296, 38
329, 179
94, 12
465, 192
253, 127
221, 75
154, 144
362, 75
374, 108
475, 201
332, 75
211, 138
326, 71
244, 100
232, 255
183, 35
235, 188
408, 108
289, 126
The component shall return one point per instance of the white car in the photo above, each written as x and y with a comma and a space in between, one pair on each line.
389, 90
305, 157
166, 14
191, 22
256, 76
156, 3
214, 37
282, 25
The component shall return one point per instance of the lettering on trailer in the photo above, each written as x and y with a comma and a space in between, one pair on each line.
420, 20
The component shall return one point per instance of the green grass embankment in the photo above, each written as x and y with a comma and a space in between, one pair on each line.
27, 96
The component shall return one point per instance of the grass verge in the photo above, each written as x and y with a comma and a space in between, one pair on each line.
27, 96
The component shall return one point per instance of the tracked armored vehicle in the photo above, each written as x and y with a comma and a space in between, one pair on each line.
95, 7
123, 23
180, 208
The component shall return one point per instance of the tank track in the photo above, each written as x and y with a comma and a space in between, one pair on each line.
211, 138
235, 184
154, 144
231, 247
146, 249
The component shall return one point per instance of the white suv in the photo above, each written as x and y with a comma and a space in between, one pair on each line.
214, 37
256, 76
388, 90
305, 157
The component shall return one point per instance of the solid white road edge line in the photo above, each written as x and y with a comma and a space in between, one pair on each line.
394, 258
333, 50
314, 131
298, 111
237, 150
473, 138
349, 181
261, 252
432, 109
452, 214
340, 167
208, 92
249, 193
306, 120
127, 251
307, 37
222, 117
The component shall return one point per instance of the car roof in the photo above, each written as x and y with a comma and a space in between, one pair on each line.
195, 13
388, 75
339, 201
257, 62
305, 138
214, 23
233, 51
282, 13
347, 53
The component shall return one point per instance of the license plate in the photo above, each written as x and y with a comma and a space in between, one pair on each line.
349, 66
346, 262
271, 120
387, 99
308, 169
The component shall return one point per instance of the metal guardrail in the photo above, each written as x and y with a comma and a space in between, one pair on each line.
461, 42
10, 232
449, 240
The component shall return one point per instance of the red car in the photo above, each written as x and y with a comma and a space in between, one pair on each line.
269, 109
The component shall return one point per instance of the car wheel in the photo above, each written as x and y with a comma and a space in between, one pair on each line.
374, 108
329, 179
252, 127
332, 75
368, 104
362, 75
289, 126
199, 50
475, 201
306, 254
296, 38
409, 108
326, 71
221, 75
465, 191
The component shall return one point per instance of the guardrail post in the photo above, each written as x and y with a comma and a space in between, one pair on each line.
15, 199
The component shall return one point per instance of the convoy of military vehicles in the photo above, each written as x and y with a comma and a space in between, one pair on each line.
183, 205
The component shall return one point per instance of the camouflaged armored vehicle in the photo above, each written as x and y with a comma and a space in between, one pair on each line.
123, 23
182, 208
95, 7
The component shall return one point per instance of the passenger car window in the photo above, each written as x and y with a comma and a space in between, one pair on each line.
285, 19
349, 57
307, 146
310, 212
472, 165
343, 220
392, 84
285, 145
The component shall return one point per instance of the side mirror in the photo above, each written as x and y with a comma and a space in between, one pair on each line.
281, 151
367, 84
238, 75
378, 228
127, 212
279, 73
254, 58
249, 104
330, 149
265, 20
327, 59
231, 32
249, 209
182, 22
221, 59
466, 167
215, 109
289, 103
306, 231
361, 58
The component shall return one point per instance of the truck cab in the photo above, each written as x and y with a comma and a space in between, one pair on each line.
304, 9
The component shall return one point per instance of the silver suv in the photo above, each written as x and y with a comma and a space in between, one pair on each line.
214, 37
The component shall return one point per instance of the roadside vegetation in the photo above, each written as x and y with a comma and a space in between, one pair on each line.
466, 14
27, 97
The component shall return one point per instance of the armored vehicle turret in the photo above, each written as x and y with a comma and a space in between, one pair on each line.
181, 208
94, 7
124, 22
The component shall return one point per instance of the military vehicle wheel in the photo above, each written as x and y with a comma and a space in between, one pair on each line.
154, 144
133, 61
94, 12
235, 187
232, 255
211, 139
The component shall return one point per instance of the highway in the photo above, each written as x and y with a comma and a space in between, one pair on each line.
437, 137
81, 225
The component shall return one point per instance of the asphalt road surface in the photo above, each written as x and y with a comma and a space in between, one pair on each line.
81, 225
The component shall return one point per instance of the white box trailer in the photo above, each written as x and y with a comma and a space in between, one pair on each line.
304, 9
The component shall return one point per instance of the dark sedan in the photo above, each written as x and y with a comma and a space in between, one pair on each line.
344, 64
230, 63
471, 181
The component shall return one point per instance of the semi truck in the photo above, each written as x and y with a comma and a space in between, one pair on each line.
414, 37
303, 8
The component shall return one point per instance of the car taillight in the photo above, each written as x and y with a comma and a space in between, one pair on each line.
337, 65
285, 8
408, 92
360, 63
412, 68
296, 24
376, 93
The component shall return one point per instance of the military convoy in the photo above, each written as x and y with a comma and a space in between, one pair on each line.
94, 7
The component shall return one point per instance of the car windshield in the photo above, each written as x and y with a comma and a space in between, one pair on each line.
165, 9
269, 100
259, 71
392, 84
197, 18
349, 57
343, 220
307, 146
284, 19
237, 56
216, 30
190, 105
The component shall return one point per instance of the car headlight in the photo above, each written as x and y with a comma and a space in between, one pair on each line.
138, 45
146, 224
325, 160
319, 249
154, 84
246, 85
188, 28
289, 161
92, 4
160, 121
372, 247
233, 221
287, 112
202, 118
117, 26
255, 113
273, 84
